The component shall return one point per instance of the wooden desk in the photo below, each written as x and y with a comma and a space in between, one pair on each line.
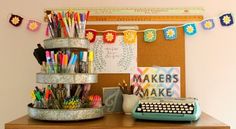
117, 121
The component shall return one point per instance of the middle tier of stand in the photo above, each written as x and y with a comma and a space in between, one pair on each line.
66, 43
66, 78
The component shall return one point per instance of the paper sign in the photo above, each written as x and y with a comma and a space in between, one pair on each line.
158, 81
117, 57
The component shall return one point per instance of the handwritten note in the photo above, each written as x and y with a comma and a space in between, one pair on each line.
114, 58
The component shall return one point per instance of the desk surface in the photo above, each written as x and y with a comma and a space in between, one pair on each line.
116, 121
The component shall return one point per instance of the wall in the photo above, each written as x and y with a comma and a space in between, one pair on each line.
210, 61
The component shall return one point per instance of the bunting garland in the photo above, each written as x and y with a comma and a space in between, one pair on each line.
109, 36
150, 35
130, 36
170, 33
15, 20
226, 19
91, 34
208, 24
33, 25
190, 29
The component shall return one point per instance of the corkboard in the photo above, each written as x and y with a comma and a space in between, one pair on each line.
165, 53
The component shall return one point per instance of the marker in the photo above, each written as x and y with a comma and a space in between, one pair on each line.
83, 65
90, 62
74, 62
76, 22
70, 63
50, 25
72, 24
82, 26
50, 67
66, 25
62, 24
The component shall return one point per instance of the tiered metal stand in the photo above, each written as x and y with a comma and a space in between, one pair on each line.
65, 78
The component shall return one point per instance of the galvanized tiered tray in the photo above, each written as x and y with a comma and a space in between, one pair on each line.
66, 78
65, 114
66, 43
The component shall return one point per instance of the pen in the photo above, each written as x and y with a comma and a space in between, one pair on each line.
82, 25
50, 25
69, 22
74, 62
52, 57
62, 24
72, 24
54, 25
50, 70
65, 22
70, 63
76, 23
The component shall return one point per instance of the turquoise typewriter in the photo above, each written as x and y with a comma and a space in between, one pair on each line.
167, 109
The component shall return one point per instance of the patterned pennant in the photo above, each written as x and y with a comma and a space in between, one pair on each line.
190, 29
130, 36
226, 19
15, 20
109, 36
208, 24
170, 33
33, 25
91, 35
150, 35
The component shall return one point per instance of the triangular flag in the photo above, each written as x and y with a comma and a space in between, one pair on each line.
33, 25
91, 35
15, 20
208, 24
170, 33
109, 36
190, 29
130, 36
150, 35
226, 19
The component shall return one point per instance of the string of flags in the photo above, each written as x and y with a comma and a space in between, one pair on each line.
130, 36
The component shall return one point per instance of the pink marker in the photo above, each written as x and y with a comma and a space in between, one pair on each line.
48, 57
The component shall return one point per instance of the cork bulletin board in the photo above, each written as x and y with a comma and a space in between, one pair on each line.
162, 52
159, 53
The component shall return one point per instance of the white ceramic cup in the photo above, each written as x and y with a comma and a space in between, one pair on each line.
129, 101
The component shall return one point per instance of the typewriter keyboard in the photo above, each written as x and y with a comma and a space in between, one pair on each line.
166, 107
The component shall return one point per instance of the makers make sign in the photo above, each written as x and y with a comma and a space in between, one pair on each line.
158, 81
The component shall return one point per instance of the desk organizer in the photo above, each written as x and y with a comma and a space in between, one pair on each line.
65, 78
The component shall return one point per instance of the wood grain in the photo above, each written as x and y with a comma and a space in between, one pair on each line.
117, 121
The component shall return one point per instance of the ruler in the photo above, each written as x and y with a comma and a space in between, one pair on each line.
139, 15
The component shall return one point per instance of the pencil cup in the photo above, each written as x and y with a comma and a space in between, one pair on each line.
129, 101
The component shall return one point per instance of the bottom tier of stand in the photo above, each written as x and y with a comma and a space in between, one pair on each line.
65, 114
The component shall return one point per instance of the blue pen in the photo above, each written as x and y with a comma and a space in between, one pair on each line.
74, 62
81, 55
75, 59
